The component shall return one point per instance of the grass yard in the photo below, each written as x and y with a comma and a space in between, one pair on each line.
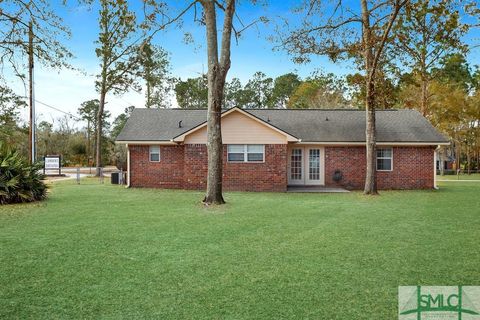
102, 251
473, 176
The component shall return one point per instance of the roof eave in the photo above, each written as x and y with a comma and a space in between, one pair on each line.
382, 143
146, 142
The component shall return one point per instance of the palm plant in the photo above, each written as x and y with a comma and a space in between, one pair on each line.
19, 181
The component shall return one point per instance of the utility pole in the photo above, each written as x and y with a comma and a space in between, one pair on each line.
31, 134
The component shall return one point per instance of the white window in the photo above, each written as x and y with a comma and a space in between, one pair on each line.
255, 152
154, 154
384, 159
246, 153
236, 152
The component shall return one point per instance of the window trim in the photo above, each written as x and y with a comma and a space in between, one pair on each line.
384, 158
150, 153
245, 153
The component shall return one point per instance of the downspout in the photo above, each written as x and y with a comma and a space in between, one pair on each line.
435, 168
128, 166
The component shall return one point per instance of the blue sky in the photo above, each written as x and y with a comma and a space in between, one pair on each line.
67, 89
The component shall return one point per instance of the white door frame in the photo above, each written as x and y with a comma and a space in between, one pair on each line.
305, 166
300, 180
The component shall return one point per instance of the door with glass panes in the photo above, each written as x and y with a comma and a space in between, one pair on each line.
306, 166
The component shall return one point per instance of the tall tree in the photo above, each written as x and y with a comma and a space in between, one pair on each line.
120, 122
118, 54
455, 69
283, 88
88, 112
31, 29
218, 66
154, 65
218, 56
320, 91
234, 94
386, 90
192, 93
48, 30
259, 90
339, 31
427, 32
454, 107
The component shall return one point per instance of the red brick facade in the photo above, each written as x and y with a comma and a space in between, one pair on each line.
412, 168
168, 173
185, 167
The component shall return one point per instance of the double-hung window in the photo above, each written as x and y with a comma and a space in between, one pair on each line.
245, 153
384, 159
154, 154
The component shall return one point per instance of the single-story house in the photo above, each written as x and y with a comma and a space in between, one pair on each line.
271, 149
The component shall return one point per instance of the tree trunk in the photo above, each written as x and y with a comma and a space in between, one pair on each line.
371, 176
216, 81
457, 155
468, 158
149, 95
478, 160
370, 132
424, 107
98, 142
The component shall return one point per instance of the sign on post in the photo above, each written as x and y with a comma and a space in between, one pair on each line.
52, 163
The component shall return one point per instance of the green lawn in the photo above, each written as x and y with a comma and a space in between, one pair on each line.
473, 176
102, 251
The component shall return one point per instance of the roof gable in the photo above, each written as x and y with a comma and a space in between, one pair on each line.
253, 125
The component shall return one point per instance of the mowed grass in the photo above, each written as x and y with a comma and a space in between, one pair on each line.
102, 251
472, 176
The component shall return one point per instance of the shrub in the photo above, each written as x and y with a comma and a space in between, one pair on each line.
19, 181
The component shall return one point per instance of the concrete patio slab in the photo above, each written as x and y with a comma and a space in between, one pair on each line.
315, 189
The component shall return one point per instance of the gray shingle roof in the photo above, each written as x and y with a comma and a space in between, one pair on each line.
310, 125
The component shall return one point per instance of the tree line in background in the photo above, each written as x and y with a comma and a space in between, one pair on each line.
453, 108
408, 53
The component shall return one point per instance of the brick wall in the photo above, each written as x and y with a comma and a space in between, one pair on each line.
186, 167
412, 168
195, 166
168, 173
268, 176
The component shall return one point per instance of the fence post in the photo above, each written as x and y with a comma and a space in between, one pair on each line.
120, 178
78, 175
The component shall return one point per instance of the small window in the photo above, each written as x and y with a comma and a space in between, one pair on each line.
245, 152
384, 159
154, 153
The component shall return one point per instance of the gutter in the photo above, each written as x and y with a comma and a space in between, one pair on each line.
128, 166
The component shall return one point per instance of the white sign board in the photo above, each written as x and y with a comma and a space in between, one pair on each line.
52, 163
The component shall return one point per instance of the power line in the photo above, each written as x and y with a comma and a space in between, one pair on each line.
59, 110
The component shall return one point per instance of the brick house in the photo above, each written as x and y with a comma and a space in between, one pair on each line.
271, 149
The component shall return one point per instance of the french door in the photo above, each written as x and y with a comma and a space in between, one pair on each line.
306, 166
